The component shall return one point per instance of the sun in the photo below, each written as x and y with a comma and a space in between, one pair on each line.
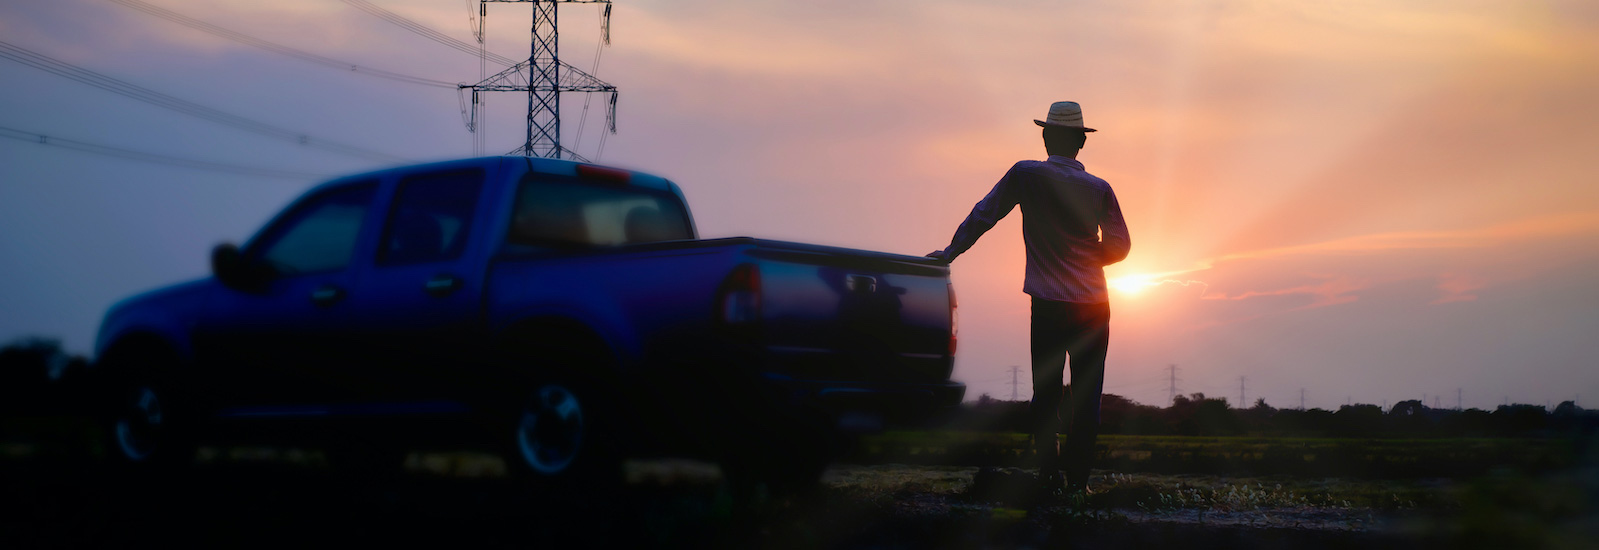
1133, 284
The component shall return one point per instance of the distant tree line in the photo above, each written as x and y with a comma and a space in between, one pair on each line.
1198, 415
37, 376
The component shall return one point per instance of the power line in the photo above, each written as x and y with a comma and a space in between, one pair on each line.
66, 70
428, 33
512, 79
471, 19
98, 149
583, 119
278, 48
480, 33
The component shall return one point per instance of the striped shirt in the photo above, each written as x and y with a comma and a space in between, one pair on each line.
1071, 223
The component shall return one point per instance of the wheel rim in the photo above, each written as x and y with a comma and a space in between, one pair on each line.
550, 431
139, 425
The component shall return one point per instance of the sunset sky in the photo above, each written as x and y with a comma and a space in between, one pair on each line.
1367, 201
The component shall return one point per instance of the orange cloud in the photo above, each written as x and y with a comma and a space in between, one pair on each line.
1497, 235
1335, 290
1459, 288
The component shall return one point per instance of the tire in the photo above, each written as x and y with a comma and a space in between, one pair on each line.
145, 429
561, 435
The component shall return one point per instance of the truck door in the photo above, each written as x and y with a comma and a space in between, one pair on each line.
417, 308
265, 350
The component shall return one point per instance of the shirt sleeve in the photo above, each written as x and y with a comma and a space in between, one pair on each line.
1114, 242
988, 212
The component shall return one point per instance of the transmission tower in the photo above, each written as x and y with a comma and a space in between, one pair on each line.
1173, 397
1014, 383
543, 77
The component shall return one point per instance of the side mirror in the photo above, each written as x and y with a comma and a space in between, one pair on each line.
230, 267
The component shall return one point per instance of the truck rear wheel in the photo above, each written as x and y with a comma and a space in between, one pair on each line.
561, 435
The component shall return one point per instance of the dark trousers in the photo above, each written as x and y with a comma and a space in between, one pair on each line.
1082, 332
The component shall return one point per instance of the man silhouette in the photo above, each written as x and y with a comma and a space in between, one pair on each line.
1073, 227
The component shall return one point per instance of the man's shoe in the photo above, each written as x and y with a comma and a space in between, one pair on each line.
1077, 484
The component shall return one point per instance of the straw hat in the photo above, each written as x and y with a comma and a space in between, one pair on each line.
1064, 114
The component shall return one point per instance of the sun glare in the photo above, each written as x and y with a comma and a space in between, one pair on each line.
1133, 284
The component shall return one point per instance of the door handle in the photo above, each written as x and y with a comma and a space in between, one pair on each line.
442, 285
861, 284
327, 295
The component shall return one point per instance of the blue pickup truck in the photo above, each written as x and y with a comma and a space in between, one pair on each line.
563, 314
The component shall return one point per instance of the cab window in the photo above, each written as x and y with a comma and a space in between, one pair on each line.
320, 234
431, 218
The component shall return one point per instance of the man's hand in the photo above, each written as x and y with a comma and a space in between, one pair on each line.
938, 255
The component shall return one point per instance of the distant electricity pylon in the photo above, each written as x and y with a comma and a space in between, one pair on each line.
1014, 383
1172, 398
544, 76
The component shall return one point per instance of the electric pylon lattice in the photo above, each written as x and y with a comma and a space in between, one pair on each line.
544, 77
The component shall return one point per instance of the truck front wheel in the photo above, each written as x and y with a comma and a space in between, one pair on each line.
143, 429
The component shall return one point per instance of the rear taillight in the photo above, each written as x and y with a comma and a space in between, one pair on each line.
739, 299
954, 320
601, 174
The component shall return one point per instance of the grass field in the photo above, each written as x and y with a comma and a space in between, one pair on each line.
897, 490
1374, 458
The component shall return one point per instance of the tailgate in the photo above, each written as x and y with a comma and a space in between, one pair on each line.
851, 315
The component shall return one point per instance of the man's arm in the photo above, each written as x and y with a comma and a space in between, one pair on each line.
1114, 242
994, 207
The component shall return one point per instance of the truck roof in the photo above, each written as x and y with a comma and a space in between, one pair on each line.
559, 167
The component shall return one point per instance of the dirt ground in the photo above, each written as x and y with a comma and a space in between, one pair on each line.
275, 497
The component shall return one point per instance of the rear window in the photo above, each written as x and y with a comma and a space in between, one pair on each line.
570, 213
